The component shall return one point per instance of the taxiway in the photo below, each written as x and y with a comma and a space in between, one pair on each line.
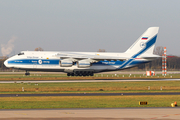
87, 94
98, 80
91, 114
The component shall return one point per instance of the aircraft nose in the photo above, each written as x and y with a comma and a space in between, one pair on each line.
6, 63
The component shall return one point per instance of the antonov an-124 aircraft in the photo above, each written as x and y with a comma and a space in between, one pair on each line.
87, 63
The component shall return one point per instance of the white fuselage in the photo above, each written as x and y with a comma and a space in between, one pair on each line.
46, 61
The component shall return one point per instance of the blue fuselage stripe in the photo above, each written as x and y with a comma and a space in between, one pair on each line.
148, 45
32, 61
56, 62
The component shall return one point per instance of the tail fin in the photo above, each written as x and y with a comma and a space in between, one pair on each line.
145, 43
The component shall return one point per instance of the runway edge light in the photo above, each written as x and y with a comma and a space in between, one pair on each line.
174, 104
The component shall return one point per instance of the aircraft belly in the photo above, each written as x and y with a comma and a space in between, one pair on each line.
53, 65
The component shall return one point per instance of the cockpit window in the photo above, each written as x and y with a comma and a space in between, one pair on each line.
21, 54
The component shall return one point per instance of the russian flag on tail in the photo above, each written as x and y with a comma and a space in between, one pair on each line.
144, 38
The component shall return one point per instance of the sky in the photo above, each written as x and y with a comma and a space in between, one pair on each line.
86, 25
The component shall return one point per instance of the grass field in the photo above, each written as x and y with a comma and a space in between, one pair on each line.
143, 86
96, 76
86, 102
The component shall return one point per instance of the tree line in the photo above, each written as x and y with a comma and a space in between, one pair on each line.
173, 63
2, 66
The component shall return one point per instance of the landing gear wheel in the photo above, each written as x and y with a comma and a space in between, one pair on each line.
91, 74
68, 74
84, 73
27, 73
72, 74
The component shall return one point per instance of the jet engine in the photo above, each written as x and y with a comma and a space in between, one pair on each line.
83, 64
65, 63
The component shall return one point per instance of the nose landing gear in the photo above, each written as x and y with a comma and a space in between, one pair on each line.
27, 73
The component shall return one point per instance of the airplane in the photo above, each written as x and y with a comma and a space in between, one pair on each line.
87, 63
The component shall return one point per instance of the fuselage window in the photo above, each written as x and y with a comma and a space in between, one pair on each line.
21, 54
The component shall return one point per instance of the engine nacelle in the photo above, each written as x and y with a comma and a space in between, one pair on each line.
83, 64
65, 63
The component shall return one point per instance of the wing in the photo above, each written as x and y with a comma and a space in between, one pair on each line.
93, 58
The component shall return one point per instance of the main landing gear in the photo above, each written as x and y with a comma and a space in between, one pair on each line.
27, 73
81, 73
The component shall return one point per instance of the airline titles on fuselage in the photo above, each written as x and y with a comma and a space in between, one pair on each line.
32, 57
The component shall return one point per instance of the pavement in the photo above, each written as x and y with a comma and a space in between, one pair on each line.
93, 114
87, 94
98, 80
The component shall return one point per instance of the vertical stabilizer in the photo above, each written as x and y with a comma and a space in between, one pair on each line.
145, 43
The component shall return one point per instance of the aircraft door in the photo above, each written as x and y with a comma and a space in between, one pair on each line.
35, 65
